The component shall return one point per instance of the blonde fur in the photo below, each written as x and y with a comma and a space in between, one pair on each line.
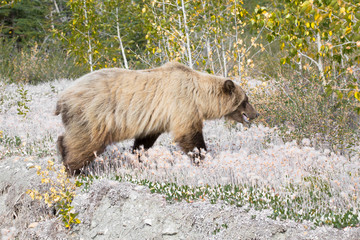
111, 105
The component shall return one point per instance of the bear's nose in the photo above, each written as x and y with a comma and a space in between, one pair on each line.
257, 114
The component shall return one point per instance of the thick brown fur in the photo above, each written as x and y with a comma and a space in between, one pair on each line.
112, 105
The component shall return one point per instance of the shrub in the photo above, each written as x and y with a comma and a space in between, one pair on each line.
58, 191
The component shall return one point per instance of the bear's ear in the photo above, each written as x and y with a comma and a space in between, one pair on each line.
229, 87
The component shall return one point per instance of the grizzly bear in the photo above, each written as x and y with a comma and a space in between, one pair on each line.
111, 105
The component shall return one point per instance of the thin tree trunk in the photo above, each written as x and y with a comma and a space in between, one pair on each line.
187, 35
320, 60
56, 7
236, 44
209, 55
219, 57
120, 41
207, 42
224, 57
88, 39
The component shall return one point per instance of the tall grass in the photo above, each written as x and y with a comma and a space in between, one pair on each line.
36, 63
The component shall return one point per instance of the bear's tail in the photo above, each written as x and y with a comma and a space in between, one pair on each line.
58, 108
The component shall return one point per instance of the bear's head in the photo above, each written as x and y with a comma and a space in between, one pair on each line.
244, 111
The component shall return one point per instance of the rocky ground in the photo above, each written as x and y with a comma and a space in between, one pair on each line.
122, 210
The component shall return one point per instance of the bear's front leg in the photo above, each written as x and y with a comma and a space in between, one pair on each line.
188, 142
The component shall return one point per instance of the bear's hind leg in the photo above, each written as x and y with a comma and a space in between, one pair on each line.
147, 141
61, 147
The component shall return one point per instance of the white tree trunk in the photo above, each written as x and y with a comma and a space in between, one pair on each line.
187, 36
209, 55
120, 41
320, 60
236, 43
90, 56
56, 7
224, 57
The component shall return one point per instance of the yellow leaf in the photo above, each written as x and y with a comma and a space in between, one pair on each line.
317, 16
312, 25
31, 194
330, 33
342, 10
348, 30
307, 24
351, 93
45, 180
357, 95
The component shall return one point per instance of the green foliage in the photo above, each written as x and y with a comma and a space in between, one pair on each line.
25, 20
10, 141
22, 108
206, 35
6, 3
59, 192
219, 227
320, 38
20, 146
98, 32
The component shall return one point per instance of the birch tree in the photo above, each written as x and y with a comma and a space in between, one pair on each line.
320, 38
84, 39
